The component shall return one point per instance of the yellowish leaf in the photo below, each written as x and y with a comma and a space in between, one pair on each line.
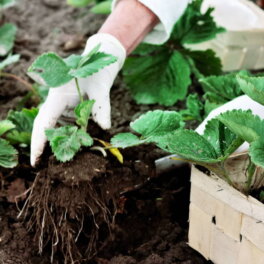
113, 151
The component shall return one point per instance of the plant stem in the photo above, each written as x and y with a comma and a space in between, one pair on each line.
19, 79
251, 171
220, 171
78, 89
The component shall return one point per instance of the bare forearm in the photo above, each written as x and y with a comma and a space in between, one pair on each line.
130, 22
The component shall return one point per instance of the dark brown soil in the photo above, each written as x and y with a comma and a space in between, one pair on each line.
92, 209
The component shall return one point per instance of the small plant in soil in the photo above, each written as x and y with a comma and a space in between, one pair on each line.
16, 128
51, 70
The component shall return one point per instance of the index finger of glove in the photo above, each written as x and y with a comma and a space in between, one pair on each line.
47, 117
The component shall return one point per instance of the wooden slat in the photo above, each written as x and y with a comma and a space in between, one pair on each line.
253, 230
200, 230
249, 253
228, 195
226, 218
224, 250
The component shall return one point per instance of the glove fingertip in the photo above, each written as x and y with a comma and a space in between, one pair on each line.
104, 123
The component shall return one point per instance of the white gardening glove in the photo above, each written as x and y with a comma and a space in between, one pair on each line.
242, 102
96, 86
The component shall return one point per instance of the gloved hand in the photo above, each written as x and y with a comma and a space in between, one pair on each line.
242, 102
96, 86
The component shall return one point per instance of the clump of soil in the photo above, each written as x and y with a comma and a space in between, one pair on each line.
72, 207
119, 214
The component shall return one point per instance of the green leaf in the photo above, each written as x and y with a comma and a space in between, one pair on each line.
82, 112
76, 61
206, 62
244, 124
147, 49
66, 141
162, 78
8, 155
84, 60
65, 144
9, 60
191, 146
223, 140
16, 137
5, 126
102, 8
7, 38
79, 3
225, 87
50, 70
125, 140
23, 120
84, 138
93, 65
253, 87
156, 124
195, 27
210, 106
6, 3
256, 152
194, 108
73, 61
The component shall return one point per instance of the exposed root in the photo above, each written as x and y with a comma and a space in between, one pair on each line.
67, 218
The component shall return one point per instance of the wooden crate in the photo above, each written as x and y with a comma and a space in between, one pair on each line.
226, 226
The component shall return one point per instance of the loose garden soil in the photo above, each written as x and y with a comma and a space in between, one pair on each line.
91, 210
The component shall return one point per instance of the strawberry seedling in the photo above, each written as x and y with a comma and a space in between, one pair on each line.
222, 135
53, 71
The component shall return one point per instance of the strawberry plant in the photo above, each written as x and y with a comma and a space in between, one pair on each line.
222, 135
220, 89
15, 130
8, 154
167, 132
162, 74
53, 71
247, 126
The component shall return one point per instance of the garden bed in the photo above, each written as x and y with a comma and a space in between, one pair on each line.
143, 218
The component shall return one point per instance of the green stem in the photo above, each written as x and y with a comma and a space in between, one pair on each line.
251, 170
78, 89
220, 171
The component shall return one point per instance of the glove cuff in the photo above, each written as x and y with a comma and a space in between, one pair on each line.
108, 44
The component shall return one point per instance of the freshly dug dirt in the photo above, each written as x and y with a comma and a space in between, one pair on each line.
93, 210
145, 220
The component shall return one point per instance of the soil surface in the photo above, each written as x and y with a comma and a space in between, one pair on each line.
93, 210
